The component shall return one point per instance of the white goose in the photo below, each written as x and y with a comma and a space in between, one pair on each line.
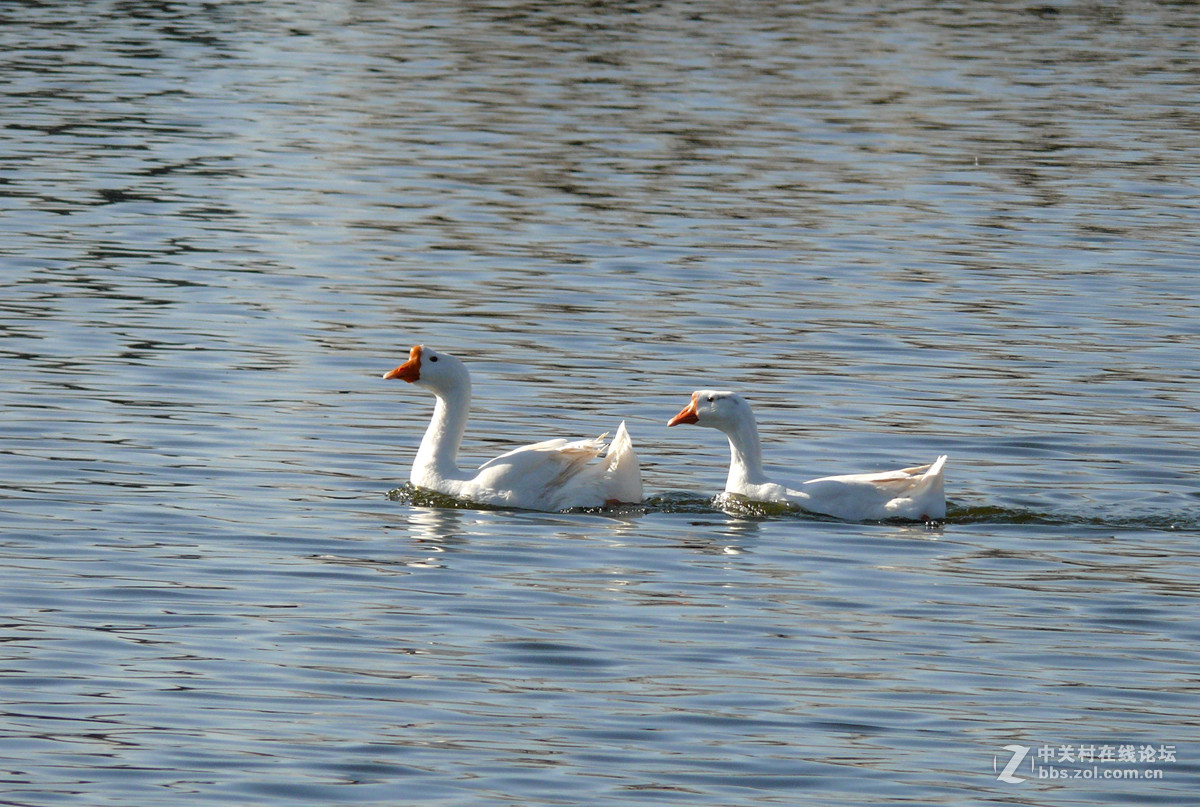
912, 493
553, 475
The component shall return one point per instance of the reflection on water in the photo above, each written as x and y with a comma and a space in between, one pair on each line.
900, 230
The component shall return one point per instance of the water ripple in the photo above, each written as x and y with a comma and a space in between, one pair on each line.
900, 230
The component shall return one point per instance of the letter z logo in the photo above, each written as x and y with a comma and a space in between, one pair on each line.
1018, 756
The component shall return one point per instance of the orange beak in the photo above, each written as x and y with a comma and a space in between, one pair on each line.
410, 371
688, 415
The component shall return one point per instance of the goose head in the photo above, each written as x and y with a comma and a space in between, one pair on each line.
440, 372
717, 409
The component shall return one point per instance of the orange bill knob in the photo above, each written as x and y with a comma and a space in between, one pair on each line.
410, 371
688, 415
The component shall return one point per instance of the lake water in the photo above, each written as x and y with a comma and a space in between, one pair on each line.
900, 229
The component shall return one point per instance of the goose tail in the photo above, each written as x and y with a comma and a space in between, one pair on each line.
930, 490
623, 469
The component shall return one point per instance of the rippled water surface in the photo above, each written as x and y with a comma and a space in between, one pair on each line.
899, 229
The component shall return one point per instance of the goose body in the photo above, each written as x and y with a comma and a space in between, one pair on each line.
551, 475
911, 493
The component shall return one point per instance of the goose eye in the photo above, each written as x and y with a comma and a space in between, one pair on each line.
433, 358
710, 399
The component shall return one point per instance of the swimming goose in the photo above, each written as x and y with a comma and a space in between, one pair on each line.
552, 475
911, 493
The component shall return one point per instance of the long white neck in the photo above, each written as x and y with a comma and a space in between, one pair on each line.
438, 453
745, 455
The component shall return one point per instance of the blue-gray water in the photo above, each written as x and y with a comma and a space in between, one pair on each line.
900, 229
